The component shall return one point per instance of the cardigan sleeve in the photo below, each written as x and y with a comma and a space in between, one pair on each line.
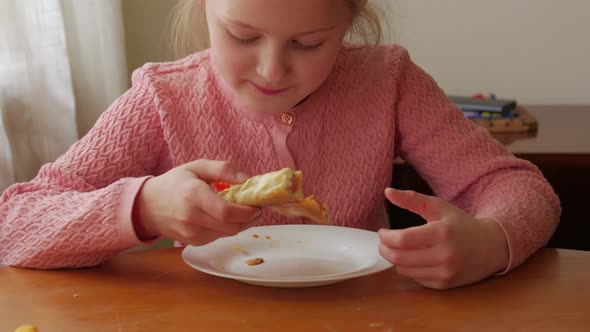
77, 211
464, 165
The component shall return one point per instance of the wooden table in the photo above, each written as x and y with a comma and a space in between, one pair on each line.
155, 291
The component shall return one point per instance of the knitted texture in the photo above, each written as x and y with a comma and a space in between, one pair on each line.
375, 105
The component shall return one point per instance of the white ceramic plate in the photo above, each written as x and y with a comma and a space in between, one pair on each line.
294, 255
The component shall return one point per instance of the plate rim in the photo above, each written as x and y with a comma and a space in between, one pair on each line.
379, 265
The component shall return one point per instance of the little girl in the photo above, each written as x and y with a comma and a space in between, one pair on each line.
279, 88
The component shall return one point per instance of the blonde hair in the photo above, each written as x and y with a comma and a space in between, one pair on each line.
189, 31
366, 25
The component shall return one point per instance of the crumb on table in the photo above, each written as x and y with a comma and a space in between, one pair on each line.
26, 328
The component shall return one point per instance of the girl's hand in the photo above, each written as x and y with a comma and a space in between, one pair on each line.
453, 249
182, 206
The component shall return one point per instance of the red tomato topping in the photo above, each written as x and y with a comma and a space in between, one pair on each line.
220, 186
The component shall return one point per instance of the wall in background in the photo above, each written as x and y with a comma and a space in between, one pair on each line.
536, 51
146, 31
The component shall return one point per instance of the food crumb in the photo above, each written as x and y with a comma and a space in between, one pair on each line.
76, 296
267, 237
255, 261
26, 328
240, 249
255, 236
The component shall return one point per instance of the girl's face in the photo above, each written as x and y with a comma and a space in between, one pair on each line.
274, 53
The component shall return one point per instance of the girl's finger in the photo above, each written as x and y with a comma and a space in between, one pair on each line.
429, 273
426, 257
202, 237
428, 207
200, 219
211, 231
434, 284
205, 235
215, 170
233, 213
204, 199
416, 237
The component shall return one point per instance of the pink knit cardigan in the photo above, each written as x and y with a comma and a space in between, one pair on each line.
376, 105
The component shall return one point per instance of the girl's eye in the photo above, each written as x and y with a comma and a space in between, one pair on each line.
304, 46
246, 40
243, 40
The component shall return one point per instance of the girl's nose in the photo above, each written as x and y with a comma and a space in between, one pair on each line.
272, 65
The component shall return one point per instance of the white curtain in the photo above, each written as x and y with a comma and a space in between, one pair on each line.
61, 64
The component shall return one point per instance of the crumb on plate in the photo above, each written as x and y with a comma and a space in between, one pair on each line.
255, 261
240, 249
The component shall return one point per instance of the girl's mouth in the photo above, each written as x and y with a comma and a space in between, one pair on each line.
268, 92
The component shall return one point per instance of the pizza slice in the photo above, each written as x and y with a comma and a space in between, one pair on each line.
281, 190
309, 207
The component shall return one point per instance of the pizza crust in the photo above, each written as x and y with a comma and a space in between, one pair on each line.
308, 207
282, 191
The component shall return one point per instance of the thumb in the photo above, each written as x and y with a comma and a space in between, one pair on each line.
428, 207
215, 171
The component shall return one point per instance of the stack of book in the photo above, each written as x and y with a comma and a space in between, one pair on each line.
485, 108
498, 116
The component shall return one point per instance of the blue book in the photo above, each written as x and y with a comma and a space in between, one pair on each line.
475, 105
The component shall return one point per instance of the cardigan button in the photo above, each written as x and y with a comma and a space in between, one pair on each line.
287, 119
